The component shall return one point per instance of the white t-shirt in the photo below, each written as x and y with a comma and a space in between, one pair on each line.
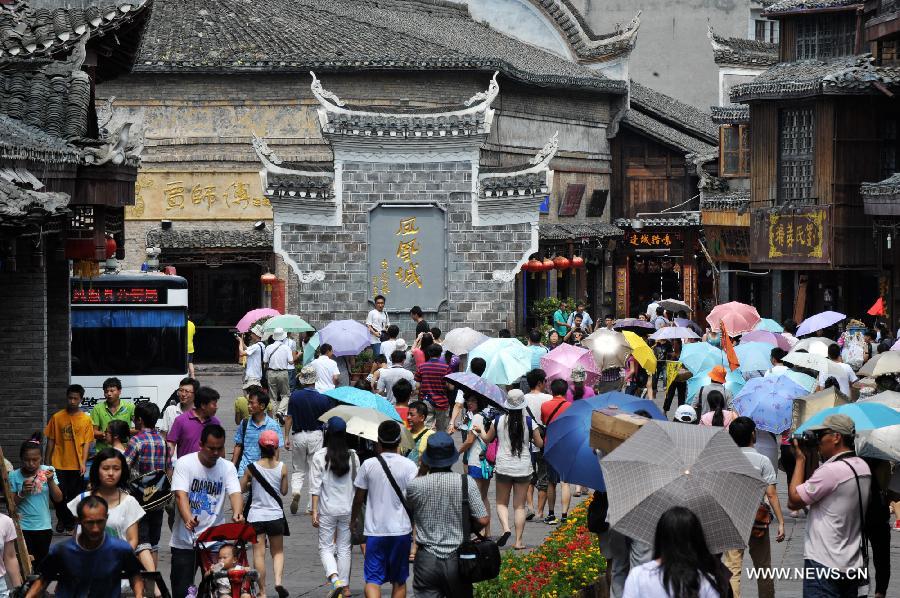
761, 463
207, 490
385, 515
7, 534
389, 346
253, 371
121, 516
645, 581
508, 463
335, 493
473, 455
278, 356
264, 507
326, 369
844, 375
168, 417
534, 400
379, 321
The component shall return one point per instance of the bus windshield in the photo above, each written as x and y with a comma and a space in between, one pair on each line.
123, 342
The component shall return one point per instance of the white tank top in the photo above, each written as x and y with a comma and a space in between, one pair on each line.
263, 506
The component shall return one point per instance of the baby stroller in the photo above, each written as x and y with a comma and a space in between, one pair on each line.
242, 579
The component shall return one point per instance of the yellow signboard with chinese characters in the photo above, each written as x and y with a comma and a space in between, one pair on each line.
198, 196
799, 235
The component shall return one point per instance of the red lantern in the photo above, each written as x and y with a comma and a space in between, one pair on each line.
561, 263
547, 265
268, 279
533, 265
110, 247
526, 267
578, 262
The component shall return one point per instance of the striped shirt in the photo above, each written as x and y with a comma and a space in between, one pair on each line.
146, 452
430, 376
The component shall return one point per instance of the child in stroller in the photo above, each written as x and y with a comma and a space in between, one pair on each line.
222, 551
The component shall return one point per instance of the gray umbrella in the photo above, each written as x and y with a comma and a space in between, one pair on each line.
666, 464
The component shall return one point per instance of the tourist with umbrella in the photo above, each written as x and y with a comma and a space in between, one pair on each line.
327, 373
610, 350
474, 450
550, 411
460, 341
717, 377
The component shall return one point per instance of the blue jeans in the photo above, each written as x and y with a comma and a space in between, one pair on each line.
823, 584
376, 349
184, 567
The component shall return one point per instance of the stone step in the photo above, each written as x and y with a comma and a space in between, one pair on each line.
218, 368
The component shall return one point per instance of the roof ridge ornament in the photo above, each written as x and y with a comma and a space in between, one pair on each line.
265, 154
487, 96
543, 157
322, 94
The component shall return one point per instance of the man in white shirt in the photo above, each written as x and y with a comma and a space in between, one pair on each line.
200, 484
377, 322
393, 343
327, 373
390, 376
778, 368
387, 524
279, 360
587, 323
743, 432
838, 370
253, 370
187, 388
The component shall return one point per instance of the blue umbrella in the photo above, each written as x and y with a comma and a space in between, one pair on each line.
363, 398
478, 385
507, 359
701, 357
866, 416
567, 447
769, 325
754, 356
309, 349
734, 382
769, 402
807, 382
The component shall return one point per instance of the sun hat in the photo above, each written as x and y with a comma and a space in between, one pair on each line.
578, 374
279, 334
307, 375
336, 424
257, 330
717, 374
269, 438
515, 400
686, 414
440, 450
837, 423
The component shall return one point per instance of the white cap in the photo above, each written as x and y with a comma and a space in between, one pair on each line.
686, 414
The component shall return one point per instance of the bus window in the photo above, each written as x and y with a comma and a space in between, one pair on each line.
128, 342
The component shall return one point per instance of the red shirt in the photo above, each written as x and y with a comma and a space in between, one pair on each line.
550, 406
430, 376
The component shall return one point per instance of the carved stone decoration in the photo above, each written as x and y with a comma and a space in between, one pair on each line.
543, 157
507, 276
262, 150
322, 94
302, 277
488, 96
117, 148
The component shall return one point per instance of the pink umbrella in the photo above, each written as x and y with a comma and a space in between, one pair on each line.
738, 317
253, 315
764, 336
559, 363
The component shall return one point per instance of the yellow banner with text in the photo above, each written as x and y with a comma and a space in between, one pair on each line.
198, 196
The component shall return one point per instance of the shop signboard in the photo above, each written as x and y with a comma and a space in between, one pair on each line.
728, 243
798, 235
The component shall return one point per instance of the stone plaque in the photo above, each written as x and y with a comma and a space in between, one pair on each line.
408, 255
198, 196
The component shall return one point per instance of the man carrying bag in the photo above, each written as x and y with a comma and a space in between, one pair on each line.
444, 507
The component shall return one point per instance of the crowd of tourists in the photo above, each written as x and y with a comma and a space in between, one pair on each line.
116, 475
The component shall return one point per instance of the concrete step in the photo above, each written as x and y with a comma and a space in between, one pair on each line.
207, 369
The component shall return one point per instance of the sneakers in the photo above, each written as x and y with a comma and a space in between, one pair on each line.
529, 516
295, 504
564, 518
337, 588
551, 520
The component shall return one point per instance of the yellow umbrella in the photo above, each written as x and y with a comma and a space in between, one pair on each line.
640, 350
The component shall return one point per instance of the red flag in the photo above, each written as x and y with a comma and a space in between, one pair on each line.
728, 347
877, 308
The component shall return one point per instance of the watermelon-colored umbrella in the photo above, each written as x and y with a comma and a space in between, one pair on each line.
559, 363
737, 317
765, 336
253, 315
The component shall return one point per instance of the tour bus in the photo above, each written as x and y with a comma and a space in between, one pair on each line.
132, 326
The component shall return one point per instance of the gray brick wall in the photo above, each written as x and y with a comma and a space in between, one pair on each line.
474, 298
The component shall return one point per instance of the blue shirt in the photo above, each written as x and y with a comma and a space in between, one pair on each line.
34, 509
250, 443
537, 351
82, 573
305, 408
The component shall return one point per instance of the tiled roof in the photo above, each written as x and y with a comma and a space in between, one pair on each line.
210, 238
56, 102
840, 76
21, 141
730, 115
328, 36
726, 200
522, 180
18, 205
676, 113
740, 51
27, 31
889, 188
666, 134
552, 231
586, 44
789, 6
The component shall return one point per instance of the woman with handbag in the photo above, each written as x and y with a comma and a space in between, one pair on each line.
331, 487
513, 464
266, 509
474, 450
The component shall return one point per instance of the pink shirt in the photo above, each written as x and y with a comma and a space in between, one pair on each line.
706, 418
7, 534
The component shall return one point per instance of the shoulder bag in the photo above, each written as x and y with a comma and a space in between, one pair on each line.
271, 491
395, 486
357, 533
863, 536
479, 559
152, 490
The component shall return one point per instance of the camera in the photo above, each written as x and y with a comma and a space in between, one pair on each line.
808, 438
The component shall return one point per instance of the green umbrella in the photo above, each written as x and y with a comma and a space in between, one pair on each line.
309, 349
288, 323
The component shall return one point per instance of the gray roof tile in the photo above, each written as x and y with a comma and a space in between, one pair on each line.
21, 141
730, 115
552, 231
18, 205
666, 134
739, 51
678, 114
789, 6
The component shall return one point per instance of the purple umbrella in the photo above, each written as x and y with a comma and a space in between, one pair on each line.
478, 385
670, 332
685, 323
346, 337
253, 315
634, 325
818, 322
559, 363
764, 336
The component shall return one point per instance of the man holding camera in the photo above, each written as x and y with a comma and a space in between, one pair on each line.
836, 493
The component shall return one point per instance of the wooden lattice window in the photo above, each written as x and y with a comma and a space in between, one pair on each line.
734, 150
796, 134
825, 36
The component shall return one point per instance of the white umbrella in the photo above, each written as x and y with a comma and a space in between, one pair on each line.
460, 341
811, 361
364, 422
882, 443
817, 345
609, 347
883, 363
670, 332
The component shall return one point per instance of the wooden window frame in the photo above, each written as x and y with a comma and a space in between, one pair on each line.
742, 151
825, 36
796, 154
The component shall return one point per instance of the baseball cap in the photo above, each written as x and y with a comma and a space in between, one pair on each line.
268, 438
686, 414
838, 423
336, 424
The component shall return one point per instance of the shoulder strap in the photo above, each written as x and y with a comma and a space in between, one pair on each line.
395, 486
554, 412
265, 484
863, 540
531, 415
244, 430
466, 509
419, 437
